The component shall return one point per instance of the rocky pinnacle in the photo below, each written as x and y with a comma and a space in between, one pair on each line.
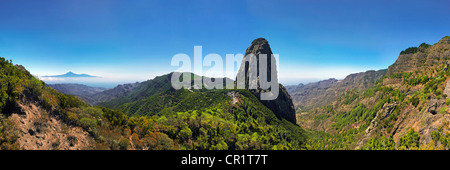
282, 106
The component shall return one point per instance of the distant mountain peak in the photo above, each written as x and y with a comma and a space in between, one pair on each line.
71, 74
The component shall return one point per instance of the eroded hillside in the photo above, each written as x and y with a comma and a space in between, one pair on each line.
408, 108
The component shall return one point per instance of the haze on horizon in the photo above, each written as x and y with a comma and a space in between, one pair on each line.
128, 41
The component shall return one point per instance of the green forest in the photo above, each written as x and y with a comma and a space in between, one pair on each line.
164, 120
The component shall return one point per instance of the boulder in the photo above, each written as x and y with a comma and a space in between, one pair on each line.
433, 105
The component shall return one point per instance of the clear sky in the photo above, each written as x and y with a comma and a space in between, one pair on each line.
134, 40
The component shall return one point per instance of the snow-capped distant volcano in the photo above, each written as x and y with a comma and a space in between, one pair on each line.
71, 74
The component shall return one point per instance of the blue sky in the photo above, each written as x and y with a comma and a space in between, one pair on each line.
127, 41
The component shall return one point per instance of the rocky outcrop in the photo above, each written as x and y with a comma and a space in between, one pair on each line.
235, 96
433, 106
388, 108
282, 106
383, 113
447, 89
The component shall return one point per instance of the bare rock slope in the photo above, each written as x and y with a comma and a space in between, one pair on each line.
40, 130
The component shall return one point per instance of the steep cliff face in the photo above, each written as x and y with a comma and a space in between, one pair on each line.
422, 57
423, 75
282, 106
413, 59
409, 103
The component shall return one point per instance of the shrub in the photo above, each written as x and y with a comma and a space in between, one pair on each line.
424, 45
12, 81
414, 101
71, 118
442, 110
349, 97
410, 140
447, 101
185, 133
437, 135
9, 134
380, 144
48, 100
35, 86
158, 141
88, 124
410, 50
117, 118
136, 141
68, 101
417, 80
92, 112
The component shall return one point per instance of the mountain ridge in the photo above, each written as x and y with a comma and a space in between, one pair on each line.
320, 93
76, 89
